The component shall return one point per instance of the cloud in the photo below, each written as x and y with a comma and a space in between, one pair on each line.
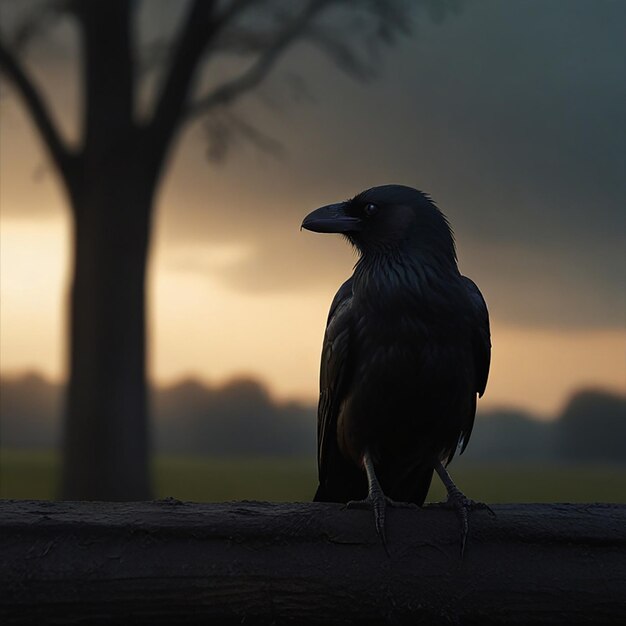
509, 114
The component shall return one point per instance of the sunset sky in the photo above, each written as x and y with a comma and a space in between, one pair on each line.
510, 114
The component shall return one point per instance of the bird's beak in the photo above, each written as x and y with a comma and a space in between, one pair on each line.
331, 219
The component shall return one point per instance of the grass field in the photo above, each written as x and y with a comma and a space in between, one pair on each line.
34, 474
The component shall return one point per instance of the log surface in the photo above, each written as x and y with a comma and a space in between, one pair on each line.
169, 562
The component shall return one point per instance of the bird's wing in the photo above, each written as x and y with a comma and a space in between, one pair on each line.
481, 348
333, 377
482, 337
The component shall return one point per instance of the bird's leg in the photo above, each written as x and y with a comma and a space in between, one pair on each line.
376, 499
375, 495
459, 502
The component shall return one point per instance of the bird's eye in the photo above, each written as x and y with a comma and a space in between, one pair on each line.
370, 209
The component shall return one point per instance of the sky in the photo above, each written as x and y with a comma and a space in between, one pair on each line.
510, 114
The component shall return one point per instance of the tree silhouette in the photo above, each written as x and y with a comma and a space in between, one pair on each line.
111, 178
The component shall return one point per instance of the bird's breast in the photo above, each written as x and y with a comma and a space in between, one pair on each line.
412, 373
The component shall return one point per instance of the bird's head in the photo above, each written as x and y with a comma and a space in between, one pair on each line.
389, 218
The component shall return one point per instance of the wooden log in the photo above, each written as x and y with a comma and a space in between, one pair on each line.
170, 562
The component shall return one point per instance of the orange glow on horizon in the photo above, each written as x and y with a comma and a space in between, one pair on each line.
200, 327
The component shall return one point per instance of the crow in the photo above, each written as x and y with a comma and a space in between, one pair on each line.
406, 352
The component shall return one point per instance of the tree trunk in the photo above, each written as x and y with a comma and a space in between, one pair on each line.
250, 563
106, 427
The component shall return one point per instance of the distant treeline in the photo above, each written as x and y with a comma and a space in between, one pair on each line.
241, 418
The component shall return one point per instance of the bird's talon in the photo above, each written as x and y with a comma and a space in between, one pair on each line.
485, 507
400, 505
458, 501
376, 501
463, 506
359, 504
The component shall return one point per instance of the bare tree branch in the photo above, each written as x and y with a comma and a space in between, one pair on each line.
242, 40
254, 75
192, 42
235, 8
393, 17
201, 25
223, 129
344, 56
34, 102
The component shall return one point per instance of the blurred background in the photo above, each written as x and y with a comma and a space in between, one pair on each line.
220, 125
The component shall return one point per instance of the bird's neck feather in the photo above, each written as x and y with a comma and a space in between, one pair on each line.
394, 274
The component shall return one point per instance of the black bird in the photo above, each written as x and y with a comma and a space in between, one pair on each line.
406, 352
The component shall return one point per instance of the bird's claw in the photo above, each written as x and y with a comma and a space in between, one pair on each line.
367, 504
397, 504
377, 505
463, 506
481, 506
377, 502
358, 504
